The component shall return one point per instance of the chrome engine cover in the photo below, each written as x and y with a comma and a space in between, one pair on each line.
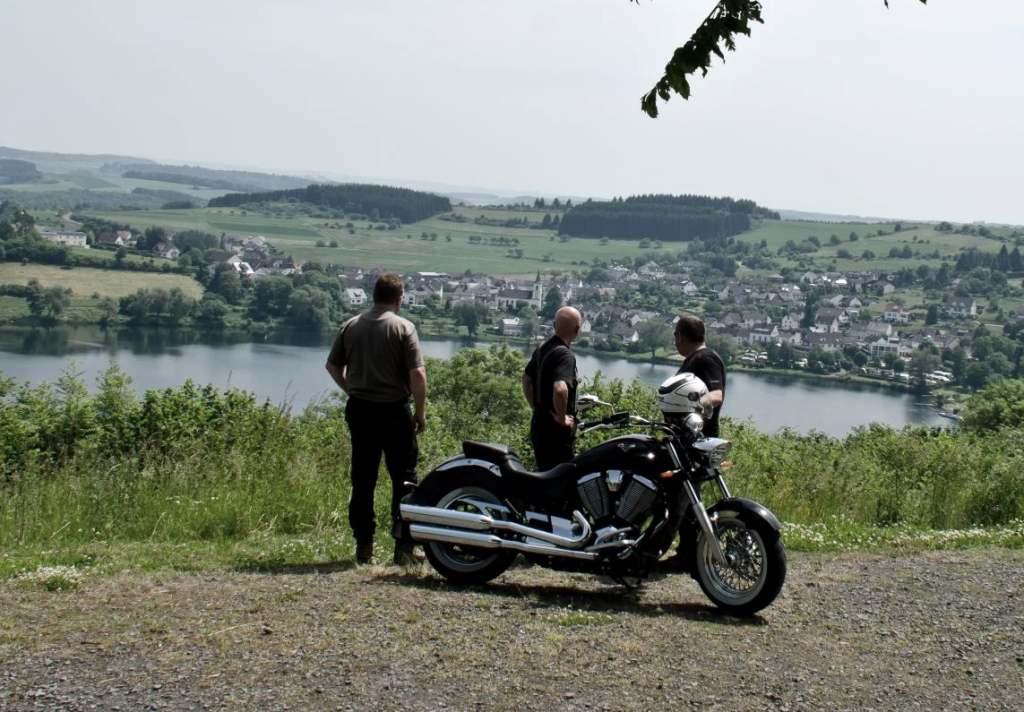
627, 496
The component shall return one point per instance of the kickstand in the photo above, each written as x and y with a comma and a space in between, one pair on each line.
637, 581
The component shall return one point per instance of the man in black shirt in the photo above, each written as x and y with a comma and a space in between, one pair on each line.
549, 385
706, 365
703, 363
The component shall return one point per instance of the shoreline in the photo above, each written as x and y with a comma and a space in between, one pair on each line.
259, 333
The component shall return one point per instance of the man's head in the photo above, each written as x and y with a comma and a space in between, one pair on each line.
567, 324
689, 335
388, 291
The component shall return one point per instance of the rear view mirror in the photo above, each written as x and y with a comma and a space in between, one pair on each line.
586, 402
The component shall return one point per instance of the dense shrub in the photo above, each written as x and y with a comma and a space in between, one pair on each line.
194, 463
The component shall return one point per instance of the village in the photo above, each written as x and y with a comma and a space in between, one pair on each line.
852, 327
857, 322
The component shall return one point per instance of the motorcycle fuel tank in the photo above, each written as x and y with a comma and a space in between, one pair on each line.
636, 453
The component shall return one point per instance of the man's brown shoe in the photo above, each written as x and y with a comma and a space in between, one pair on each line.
364, 552
406, 554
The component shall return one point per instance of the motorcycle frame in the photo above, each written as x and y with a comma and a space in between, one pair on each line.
618, 421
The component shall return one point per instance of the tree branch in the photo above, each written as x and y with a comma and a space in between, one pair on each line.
714, 36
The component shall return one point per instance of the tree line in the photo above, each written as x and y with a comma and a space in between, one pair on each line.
402, 203
662, 217
80, 199
197, 175
186, 179
1007, 261
14, 171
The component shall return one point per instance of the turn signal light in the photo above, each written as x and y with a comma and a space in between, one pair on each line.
726, 464
668, 474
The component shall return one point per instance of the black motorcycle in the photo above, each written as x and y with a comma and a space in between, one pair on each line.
614, 510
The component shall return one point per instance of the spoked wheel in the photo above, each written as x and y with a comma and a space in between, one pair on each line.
755, 569
468, 564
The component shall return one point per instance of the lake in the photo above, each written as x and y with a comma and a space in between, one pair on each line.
289, 368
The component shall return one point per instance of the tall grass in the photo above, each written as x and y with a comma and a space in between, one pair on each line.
190, 464
879, 476
177, 465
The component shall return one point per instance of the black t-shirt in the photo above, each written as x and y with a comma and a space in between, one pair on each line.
706, 365
555, 362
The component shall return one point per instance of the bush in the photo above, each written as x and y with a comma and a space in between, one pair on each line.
194, 463
998, 406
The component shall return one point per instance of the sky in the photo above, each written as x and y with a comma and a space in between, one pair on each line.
836, 106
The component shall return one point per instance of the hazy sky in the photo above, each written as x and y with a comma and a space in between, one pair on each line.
836, 106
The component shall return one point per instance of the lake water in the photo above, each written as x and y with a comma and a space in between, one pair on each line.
289, 368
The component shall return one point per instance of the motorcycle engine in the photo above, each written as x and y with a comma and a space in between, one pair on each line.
624, 495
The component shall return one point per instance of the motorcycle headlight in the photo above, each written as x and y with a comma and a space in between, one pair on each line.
715, 450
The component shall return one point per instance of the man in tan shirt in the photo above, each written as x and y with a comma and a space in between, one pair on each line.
376, 360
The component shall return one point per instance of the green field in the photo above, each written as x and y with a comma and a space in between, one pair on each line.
451, 251
401, 249
84, 282
273, 227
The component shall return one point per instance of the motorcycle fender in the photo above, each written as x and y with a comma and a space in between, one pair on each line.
457, 472
736, 505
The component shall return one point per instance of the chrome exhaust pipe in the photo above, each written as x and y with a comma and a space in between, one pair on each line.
483, 522
423, 532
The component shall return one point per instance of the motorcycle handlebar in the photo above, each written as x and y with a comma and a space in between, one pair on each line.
621, 419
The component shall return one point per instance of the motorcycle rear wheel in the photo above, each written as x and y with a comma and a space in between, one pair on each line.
756, 569
467, 564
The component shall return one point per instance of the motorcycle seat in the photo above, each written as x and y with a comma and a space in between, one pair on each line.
509, 463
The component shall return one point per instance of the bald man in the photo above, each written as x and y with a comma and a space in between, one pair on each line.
549, 385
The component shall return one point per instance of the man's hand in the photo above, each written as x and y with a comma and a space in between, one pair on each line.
566, 421
419, 423
418, 385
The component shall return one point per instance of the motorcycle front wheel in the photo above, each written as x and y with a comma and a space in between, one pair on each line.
467, 564
755, 569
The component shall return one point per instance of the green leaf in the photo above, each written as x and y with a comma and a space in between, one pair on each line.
715, 36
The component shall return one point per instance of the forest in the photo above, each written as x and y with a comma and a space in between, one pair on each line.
663, 217
15, 171
207, 177
387, 202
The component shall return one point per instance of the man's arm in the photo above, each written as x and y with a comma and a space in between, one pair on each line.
528, 391
418, 384
713, 398
338, 374
561, 402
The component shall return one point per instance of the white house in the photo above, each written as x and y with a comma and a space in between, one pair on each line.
510, 327
791, 322
961, 307
895, 312
71, 239
764, 334
356, 297
167, 250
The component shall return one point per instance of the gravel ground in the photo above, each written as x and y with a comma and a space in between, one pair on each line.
934, 631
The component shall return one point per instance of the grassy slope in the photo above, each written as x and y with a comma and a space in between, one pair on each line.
777, 233
403, 249
84, 282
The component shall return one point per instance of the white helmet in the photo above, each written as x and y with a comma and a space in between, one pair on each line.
680, 395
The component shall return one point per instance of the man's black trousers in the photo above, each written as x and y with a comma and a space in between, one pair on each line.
379, 428
552, 443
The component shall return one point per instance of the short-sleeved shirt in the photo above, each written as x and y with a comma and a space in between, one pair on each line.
706, 365
377, 349
554, 362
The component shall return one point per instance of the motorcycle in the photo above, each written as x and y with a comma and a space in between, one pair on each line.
613, 510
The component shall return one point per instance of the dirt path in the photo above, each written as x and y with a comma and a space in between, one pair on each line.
938, 631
